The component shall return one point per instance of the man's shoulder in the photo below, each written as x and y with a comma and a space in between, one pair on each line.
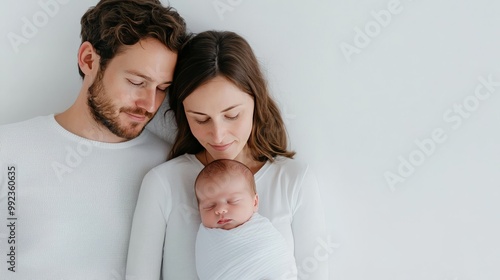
150, 145
25, 126
25, 123
153, 139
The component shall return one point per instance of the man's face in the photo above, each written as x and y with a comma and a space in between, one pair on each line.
126, 96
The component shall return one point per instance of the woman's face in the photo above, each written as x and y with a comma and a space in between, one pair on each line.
220, 117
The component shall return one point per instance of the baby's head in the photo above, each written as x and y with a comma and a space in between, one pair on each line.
226, 194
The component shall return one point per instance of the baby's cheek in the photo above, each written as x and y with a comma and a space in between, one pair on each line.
205, 219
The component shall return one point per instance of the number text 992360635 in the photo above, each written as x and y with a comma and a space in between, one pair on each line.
11, 216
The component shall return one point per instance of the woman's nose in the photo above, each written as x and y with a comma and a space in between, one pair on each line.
219, 132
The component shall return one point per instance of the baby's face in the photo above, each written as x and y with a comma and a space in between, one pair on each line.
225, 202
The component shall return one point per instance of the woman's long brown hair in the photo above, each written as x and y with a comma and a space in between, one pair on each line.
210, 54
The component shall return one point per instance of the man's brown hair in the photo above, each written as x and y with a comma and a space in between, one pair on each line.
112, 24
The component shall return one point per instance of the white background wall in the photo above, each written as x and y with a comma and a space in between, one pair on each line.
365, 96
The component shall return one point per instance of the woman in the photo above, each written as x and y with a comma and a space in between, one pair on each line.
223, 111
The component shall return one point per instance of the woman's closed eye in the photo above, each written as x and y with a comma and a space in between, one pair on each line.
232, 117
135, 83
202, 121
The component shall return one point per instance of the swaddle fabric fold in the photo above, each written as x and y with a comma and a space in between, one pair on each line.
254, 251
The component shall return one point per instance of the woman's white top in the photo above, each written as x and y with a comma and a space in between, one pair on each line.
166, 218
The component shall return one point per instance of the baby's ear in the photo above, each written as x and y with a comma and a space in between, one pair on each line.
256, 203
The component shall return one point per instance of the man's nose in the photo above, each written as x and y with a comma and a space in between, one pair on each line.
147, 99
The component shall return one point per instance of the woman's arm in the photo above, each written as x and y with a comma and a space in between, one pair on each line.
309, 231
145, 252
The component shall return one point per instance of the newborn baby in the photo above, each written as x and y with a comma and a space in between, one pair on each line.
234, 241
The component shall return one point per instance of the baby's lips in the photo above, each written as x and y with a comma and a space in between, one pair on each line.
223, 221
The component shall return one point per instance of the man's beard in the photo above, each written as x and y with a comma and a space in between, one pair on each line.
104, 112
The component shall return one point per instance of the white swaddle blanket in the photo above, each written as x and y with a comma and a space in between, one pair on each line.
255, 250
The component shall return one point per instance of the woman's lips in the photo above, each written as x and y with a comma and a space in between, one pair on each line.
221, 148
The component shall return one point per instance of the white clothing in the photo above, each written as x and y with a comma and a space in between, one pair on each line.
166, 218
72, 200
254, 250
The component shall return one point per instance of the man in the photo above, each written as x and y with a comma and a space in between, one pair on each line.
69, 181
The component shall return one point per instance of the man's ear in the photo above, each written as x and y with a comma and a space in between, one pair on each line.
256, 203
88, 59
